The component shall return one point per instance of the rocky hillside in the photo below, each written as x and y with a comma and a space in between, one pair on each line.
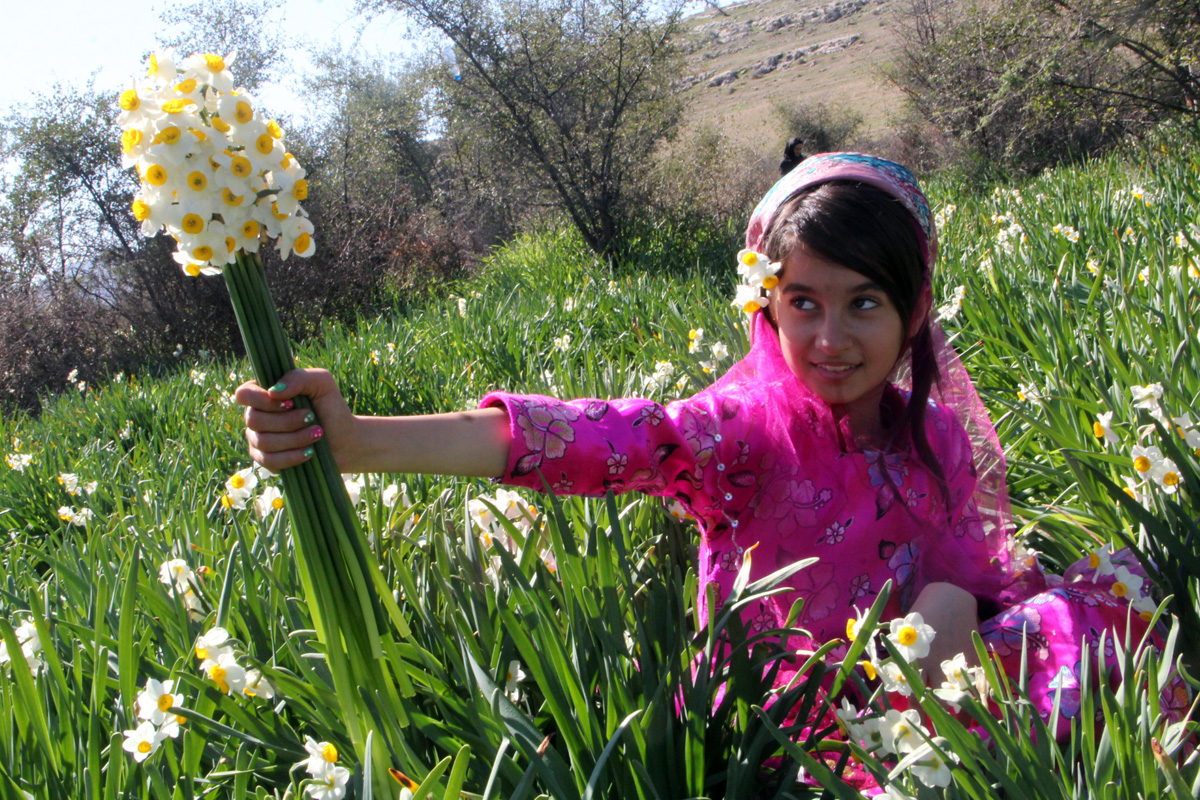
749, 55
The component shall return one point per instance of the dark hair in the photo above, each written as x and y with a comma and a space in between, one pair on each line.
867, 230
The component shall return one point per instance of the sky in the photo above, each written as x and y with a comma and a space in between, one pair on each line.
109, 37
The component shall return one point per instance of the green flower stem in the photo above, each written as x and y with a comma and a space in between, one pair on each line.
334, 565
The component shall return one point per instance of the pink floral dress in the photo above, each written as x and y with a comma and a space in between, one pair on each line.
756, 459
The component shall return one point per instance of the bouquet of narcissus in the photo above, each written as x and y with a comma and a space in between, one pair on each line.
215, 173
217, 177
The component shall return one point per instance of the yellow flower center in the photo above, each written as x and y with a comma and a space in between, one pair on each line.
276, 213
329, 753
250, 229
217, 673
237, 481
1120, 589
226, 500
155, 175
770, 282
221, 125
202, 253
179, 718
130, 139
152, 65
141, 210
165, 701
300, 189
1098, 430
1171, 479
194, 270
177, 106
907, 636
230, 198
274, 129
197, 182
199, 134
1146, 616
277, 503
850, 628
1141, 464
184, 87
264, 144
750, 307
230, 244
750, 259
869, 669
193, 223
1093, 561
169, 135
144, 746
303, 242
243, 112
241, 167
201, 652
129, 100
286, 161
214, 62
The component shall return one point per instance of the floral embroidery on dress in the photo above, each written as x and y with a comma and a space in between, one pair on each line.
793, 502
616, 462
894, 463
1008, 630
546, 430
700, 434
835, 532
651, 415
818, 586
730, 561
1065, 681
860, 586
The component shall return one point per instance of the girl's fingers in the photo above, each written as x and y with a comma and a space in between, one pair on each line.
278, 421
283, 444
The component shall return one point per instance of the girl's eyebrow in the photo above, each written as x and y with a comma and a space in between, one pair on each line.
865, 286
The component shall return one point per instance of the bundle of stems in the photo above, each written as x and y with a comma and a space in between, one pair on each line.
353, 611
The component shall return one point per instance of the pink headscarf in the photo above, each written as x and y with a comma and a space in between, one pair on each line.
954, 389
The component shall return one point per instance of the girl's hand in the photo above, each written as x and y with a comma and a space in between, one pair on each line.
281, 435
953, 613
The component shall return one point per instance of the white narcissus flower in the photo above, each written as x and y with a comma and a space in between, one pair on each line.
269, 501
1101, 561
1128, 584
142, 741
321, 757
390, 495
155, 700
893, 678
928, 765
30, 644
901, 731
718, 351
70, 482
1102, 428
330, 786
227, 674
177, 574
257, 685
512, 681
749, 298
239, 488
757, 270
354, 487
211, 645
911, 636
1146, 396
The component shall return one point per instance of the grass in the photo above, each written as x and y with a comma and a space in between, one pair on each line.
597, 605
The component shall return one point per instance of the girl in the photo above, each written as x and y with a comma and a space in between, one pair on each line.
850, 432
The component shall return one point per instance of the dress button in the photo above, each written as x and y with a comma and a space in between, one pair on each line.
720, 467
735, 523
728, 496
717, 437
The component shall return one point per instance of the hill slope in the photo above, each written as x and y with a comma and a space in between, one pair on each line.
750, 54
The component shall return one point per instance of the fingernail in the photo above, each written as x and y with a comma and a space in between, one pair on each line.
287, 405
279, 387
317, 433
310, 418
309, 452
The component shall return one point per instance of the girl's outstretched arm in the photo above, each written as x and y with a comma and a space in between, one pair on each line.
469, 443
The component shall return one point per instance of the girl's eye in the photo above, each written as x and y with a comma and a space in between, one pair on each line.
866, 303
803, 303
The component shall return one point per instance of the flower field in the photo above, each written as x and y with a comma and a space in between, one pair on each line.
158, 641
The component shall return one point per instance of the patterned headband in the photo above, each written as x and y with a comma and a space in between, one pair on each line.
878, 172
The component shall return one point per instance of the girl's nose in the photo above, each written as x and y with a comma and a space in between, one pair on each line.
833, 334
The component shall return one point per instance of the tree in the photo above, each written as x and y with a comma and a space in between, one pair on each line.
578, 90
228, 26
1026, 83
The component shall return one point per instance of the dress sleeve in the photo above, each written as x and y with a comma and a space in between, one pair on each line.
587, 447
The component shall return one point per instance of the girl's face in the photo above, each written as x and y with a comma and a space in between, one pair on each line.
840, 334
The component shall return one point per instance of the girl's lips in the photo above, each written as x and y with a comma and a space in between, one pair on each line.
835, 370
